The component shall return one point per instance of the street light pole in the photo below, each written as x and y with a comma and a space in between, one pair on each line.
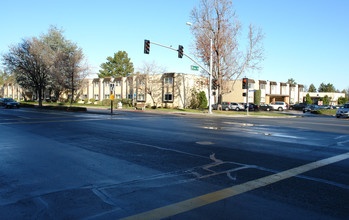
210, 74
210, 81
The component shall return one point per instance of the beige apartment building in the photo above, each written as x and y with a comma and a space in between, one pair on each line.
11, 90
270, 92
174, 90
171, 90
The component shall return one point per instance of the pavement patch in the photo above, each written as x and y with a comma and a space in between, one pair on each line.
205, 142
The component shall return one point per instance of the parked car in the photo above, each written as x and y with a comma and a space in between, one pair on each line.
298, 106
324, 107
237, 107
227, 106
280, 106
9, 103
310, 108
343, 111
265, 107
252, 107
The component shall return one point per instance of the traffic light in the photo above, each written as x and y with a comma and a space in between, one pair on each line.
146, 46
180, 51
245, 83
214, 84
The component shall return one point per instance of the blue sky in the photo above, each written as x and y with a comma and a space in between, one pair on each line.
307, 40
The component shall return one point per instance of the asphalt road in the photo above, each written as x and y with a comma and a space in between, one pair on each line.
139, 165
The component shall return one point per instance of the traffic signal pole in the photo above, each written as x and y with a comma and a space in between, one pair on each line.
247, 105
209, 72
245, 86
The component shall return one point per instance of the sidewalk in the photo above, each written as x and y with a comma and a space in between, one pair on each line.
97, 110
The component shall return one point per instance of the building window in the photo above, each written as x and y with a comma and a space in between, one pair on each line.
96, 97
84, 97
118, 96
129, 96
301, 89
263, 100
118, 83
283, 90
168, 80
273, 89
262, 86
168, 97
96, 84
106, 96
292, 89
140, 97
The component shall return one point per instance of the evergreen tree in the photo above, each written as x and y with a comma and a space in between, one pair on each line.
342, 100
326, 87
312, 88
308, 99
202, 100
118, 65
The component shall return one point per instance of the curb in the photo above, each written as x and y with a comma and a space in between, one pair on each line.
90, 110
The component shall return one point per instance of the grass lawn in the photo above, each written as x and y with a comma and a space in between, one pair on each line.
261, 113
325, 111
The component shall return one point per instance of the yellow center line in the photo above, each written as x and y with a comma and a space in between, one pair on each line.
190, 204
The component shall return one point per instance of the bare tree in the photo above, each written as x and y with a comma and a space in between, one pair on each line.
216, 20
153, 88
30, 62
71, 68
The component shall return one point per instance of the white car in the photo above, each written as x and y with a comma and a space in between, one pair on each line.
343, 111
236, 106
280, 106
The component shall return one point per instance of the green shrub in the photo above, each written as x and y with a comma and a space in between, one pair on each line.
86, 101
106, 102
342, 100
126, 102
198, 100
202, 100
92, 100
